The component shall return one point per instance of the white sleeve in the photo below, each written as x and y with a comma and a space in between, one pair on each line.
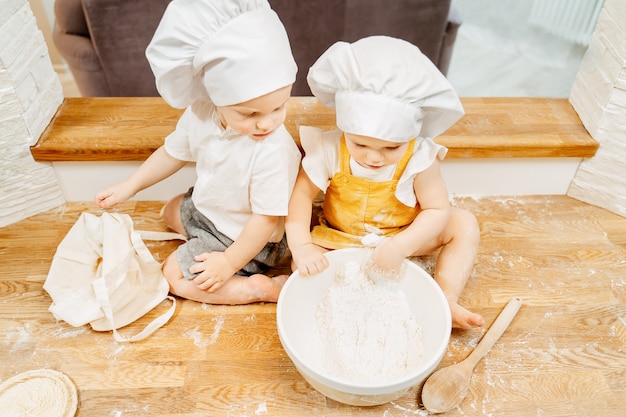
321, 154
424, 155
177, 142
193, 126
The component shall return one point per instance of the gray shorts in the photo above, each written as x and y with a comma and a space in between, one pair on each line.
203, 236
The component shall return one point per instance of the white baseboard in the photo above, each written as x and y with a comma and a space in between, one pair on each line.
514, 176
80, 181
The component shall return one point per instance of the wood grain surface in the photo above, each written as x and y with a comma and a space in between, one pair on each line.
563, 355
131, 128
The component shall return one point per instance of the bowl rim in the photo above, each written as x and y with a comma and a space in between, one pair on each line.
341, 384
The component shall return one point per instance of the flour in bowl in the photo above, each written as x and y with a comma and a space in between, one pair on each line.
367, 331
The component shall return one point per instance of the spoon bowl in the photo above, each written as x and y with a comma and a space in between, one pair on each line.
446, 388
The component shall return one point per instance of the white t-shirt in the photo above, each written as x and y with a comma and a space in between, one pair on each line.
237, 175
321, 162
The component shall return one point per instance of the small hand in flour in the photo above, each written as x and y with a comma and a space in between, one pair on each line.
386, 260
309, 259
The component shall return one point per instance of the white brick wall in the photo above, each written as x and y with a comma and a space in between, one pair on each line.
30, 93
599, 97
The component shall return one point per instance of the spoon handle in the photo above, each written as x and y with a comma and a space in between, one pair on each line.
495, 331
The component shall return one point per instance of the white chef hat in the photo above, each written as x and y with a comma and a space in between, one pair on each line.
385, 88
224, 51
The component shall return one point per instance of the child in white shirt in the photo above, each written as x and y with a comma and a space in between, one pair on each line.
229, 63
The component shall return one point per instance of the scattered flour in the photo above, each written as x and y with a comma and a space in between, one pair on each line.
198, 336
367, 331
262, 409
371, 240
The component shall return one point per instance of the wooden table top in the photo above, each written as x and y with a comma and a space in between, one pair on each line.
130, 129
564, 354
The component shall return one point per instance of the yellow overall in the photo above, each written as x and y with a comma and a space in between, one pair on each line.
354, 207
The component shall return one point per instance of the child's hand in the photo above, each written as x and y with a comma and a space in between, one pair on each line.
114, 194
213, 271
387, 256
309, 259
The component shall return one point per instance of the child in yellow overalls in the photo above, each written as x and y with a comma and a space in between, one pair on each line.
380, 170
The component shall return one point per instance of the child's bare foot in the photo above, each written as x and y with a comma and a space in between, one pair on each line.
463, 318
237, 290
267, 288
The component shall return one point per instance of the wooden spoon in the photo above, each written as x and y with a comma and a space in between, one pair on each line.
447, 387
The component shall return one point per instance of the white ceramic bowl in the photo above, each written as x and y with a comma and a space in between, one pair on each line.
297, 330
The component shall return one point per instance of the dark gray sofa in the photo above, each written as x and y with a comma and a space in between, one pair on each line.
103, 41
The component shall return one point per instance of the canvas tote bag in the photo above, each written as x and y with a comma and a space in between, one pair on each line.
103, 274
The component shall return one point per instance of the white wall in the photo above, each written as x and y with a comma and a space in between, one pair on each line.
599, 97
30, 93
44, 14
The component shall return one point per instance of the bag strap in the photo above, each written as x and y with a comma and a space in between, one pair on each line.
149, 235
150, 327
102, 293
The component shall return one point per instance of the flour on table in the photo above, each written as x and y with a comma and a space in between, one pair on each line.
366, 329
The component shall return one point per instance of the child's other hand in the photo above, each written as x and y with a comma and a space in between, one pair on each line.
213, 271
309, 259
113, 195
387, 256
